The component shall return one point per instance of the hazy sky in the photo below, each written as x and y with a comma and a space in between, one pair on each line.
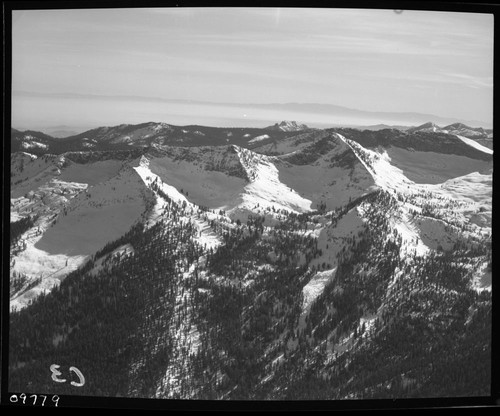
428, 62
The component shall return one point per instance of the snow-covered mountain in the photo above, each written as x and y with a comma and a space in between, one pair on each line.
482, 136
288, 126
470, 132
477, 134
203, 263
424, 141
142, 135
146, 134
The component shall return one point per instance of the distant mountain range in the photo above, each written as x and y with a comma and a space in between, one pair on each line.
125, 136
62, 131
456, 128
314, 114
478, 134
339, 112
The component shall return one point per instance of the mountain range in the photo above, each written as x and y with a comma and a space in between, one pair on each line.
255, 114
145, 134
276, 263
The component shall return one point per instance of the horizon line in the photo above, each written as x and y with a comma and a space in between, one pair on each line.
70, 95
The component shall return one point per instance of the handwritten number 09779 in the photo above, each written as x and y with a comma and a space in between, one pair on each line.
56, 373
22, 396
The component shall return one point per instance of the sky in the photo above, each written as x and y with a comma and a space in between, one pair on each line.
87, 68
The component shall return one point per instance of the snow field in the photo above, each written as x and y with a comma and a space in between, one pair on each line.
475, 144
410, 235
386, 175
473, 187
266, 190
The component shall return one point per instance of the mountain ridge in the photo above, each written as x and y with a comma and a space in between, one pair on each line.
146, 134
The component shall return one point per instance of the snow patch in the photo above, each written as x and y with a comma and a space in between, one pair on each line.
258, 138
410, 235
33, 145
267, 190
160, 126
205, 236
482, 278
315, 287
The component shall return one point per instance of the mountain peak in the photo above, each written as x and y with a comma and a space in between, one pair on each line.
288, 126
429, 124
463, 129
426, 127
458, 126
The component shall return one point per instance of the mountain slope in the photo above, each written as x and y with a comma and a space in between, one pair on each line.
86, 205
327, 172
148, 134
323, 264
233, 347
31, 141
230, 178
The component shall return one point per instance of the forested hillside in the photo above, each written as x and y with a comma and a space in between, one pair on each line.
173, 319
